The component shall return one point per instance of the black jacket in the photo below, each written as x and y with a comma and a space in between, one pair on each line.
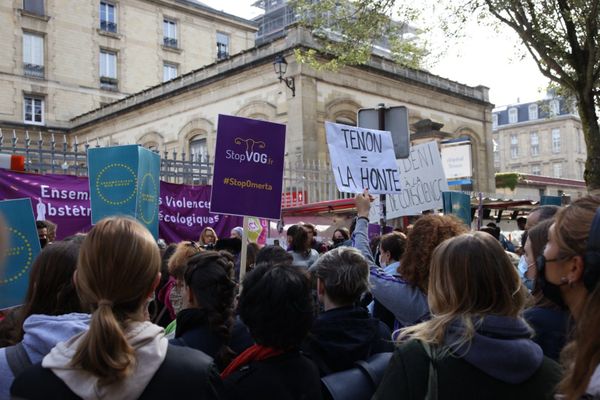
551, 327
289, 376
183, 372
407, 378
344, 335
193, 331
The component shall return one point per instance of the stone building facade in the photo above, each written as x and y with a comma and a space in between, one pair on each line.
181, 115
542, 138
62, 58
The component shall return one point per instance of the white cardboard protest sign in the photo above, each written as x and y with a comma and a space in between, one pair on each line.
362, 158
423, 181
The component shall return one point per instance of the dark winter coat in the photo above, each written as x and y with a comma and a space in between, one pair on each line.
289, 376
499, 362
344, 335
193, 331
551, 327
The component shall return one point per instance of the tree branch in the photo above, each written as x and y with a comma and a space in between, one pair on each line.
523, 28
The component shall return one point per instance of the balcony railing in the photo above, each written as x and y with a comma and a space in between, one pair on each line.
33, 70
170, 42
108, 26
107, 83
222, 55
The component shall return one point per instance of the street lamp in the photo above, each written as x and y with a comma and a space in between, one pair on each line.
280, 66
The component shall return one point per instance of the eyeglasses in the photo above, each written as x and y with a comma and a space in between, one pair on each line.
541, 262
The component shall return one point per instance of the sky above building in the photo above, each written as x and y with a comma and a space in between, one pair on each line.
483, 57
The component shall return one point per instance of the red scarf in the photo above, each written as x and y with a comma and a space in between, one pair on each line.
255, 352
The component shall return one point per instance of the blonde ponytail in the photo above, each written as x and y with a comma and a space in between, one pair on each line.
104, 350
118, 264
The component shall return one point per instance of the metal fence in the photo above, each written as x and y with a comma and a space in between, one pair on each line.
303, 182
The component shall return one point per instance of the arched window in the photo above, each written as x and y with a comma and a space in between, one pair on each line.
198, 148
345, 120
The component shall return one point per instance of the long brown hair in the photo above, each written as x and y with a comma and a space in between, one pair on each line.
582, 355
538, 238
470, 276
51, 290
427, 233
118, 264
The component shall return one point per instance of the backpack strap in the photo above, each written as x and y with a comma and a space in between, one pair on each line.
17, 358
359, 382
374, 367
432, 382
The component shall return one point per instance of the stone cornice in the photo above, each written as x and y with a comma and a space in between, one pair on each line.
264, 54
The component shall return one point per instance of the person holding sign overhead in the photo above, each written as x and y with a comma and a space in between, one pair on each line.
405, 295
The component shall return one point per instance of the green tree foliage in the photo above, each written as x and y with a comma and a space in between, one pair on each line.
348, 31
561, 36
507, 180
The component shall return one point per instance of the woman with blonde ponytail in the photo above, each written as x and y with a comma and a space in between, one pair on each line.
122, 356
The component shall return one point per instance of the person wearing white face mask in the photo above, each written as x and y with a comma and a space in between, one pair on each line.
391, 249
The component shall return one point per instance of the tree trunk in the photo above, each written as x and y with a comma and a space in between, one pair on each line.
591, 133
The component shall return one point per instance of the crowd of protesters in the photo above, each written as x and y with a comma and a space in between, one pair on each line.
435, 312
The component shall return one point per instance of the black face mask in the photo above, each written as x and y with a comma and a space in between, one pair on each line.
43, 243
550, 290
337, 241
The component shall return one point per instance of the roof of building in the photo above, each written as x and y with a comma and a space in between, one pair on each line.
297, 37
543, 110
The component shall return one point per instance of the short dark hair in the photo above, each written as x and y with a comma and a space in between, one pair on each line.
273, 254
292, 230
276, 305
41, 225
310, 227
521, 219
395, 243
344, 231
300, 242
494, 231
232, 245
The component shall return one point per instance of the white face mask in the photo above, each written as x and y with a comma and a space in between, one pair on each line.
522, 266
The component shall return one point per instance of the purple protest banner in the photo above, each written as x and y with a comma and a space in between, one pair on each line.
64, 200
248, 173
184, 212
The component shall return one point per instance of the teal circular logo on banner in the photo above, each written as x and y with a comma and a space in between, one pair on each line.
19, 255
148, 199
116, 184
